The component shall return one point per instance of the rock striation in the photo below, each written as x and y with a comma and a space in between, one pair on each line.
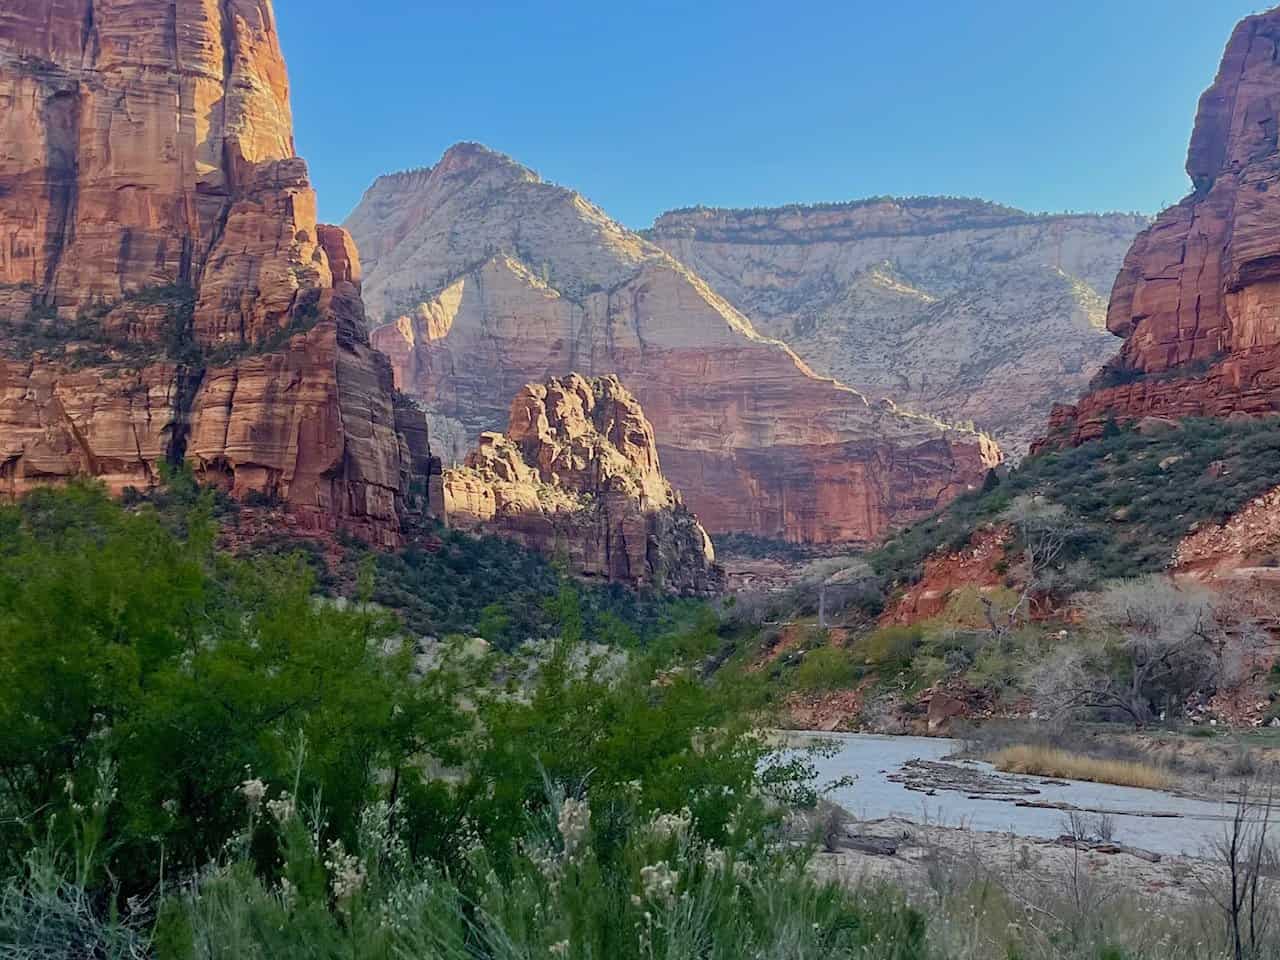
965, 309
484, 278
1198, 298
165, 290
577, 475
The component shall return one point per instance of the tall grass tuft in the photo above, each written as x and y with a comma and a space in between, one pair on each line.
1043, 761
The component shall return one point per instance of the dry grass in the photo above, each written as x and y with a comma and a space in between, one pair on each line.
1053, 762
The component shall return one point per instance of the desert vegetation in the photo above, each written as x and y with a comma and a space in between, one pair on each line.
1068, 614
207, 754
1129, 496
202, 755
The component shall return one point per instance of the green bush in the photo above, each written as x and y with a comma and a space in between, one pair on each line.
139, 664
827, 668
891, 646
121, 643
587, 881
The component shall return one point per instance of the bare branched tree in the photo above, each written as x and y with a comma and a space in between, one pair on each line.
1246, 891
1155, 643
1043, 529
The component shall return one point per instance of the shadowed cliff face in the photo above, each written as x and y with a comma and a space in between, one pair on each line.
165, 290
960, 308
1198, 298
577, 474
484, 278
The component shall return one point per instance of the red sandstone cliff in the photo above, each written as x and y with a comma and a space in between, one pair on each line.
485, 278
577, 474
1198, 297
165, 290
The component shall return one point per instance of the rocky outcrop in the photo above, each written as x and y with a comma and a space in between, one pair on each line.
1248, 541
165, 289
1198, 298
485, 278
976, 566
577, 475
961, 308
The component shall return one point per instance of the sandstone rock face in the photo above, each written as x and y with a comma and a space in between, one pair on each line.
485, 278
165, 290
960, 308
1198, 297
577, 472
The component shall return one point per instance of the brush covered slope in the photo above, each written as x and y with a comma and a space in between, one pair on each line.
577, 471
965, 309
1198, 298
165, 290
486, 278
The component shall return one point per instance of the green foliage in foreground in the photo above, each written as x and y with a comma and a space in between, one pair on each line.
1131, 511
150, 686
123, 646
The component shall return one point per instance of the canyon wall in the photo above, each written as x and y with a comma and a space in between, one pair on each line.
1198, 298
576, 476
961, 308
165, 290
484, 278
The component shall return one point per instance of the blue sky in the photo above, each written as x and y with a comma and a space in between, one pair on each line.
645, 106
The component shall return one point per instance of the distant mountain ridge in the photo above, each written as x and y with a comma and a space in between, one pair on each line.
488, 278
964, 211
965, 309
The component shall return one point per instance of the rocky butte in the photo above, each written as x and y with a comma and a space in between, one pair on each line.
1198, 298
961, 308
165, 290
576, 475
484, 278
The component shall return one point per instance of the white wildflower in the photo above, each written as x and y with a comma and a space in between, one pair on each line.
574, 822
544, 859
560, 949
282, 808
715, 859
658, 882
253, 790
346, 872
668, 825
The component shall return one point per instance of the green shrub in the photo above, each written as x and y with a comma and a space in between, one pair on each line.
827, 668
587, 880
129, 645
891, 646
